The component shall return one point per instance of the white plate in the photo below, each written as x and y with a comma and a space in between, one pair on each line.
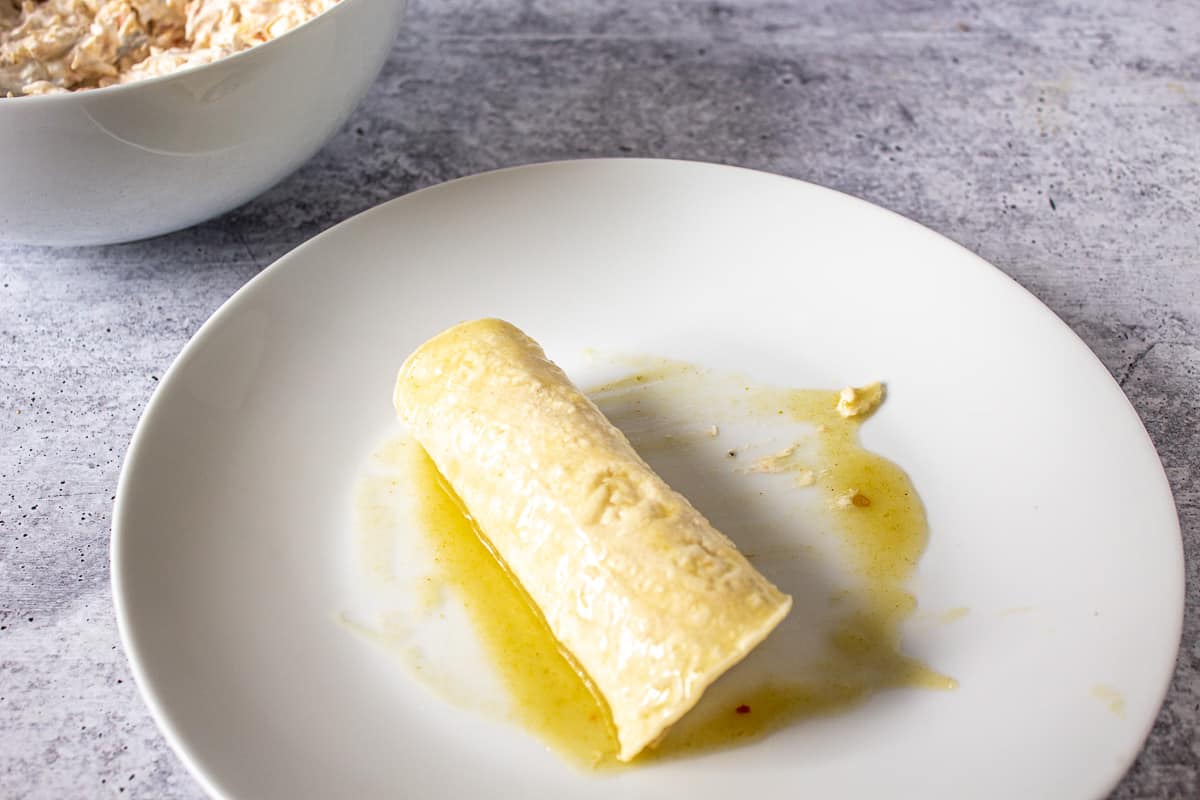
1044, 493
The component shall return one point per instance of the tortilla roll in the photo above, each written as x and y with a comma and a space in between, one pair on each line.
650, 601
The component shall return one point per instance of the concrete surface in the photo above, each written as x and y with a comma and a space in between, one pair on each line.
1059, 140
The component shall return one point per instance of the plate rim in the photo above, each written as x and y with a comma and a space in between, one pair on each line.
118, 582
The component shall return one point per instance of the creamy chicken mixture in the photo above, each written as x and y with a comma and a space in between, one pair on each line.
61, 45
861, 401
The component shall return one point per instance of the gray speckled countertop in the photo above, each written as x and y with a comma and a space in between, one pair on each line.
1059, 140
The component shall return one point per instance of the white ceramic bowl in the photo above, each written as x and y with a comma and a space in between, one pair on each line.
140, 159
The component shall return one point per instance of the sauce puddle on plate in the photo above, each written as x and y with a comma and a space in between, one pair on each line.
842, 531
551, 695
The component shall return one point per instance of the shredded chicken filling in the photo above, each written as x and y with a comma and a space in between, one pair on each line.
63, 45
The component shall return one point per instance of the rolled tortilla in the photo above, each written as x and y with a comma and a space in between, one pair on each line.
650, 600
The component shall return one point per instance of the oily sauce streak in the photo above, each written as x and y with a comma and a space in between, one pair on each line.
551, 694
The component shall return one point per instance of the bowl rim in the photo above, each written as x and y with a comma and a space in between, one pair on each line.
74, 95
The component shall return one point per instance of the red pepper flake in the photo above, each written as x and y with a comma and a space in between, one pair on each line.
743, 709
